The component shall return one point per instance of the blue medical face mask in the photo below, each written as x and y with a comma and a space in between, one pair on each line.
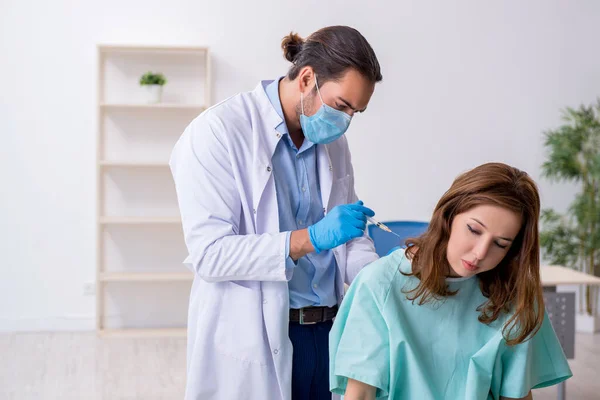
326, 125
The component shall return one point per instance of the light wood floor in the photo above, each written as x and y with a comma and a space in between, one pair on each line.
82, 366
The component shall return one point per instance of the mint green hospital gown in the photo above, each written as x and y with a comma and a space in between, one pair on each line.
433, 351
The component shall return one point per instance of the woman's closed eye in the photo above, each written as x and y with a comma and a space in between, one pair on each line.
476, 232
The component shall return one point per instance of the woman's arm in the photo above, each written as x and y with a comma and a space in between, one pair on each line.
356, 390
528, 397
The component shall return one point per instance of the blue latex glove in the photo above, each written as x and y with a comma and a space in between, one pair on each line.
343, 223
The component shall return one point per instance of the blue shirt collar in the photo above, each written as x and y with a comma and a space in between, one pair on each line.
272, 92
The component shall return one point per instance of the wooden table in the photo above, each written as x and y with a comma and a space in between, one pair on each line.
554, 275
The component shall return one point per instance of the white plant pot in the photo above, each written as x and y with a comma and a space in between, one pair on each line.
153, 93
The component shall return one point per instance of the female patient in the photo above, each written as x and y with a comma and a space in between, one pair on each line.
459, 314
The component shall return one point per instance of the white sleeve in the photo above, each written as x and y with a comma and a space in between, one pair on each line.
210, 205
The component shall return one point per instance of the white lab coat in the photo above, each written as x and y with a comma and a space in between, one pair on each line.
238, 344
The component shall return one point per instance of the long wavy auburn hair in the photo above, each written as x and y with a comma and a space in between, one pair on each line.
514, 285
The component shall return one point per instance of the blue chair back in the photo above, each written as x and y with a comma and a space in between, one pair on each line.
385, 241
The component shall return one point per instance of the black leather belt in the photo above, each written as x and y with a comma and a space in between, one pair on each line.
312, 315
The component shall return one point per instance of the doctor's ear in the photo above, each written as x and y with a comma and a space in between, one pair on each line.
306, 79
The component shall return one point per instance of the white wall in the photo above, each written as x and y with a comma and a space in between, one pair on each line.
464, 82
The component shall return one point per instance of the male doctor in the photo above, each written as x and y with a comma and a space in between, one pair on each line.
272, 223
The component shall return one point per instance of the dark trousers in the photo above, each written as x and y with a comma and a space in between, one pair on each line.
310, 366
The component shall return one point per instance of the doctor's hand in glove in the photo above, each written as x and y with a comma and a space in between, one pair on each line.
341, 224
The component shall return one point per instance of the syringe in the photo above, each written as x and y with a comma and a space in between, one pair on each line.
381, 226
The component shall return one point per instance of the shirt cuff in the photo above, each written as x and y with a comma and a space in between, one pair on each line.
289, 263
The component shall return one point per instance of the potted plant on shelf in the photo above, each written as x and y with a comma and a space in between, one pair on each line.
573, 239
153, 83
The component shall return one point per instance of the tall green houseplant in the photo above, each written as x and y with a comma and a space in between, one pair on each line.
573, 239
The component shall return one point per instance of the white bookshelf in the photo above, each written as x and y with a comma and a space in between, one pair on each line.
134, 140
146, 276
133, 164
133, 332
138, 220
154, 107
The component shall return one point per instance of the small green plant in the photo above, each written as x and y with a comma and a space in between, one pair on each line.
573, 239
150, 78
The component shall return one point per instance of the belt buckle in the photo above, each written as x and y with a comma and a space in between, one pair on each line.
301, 314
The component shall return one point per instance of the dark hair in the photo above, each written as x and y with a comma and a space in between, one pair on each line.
513, 285
330, 52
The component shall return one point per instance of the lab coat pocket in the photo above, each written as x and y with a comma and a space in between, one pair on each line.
240, 330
